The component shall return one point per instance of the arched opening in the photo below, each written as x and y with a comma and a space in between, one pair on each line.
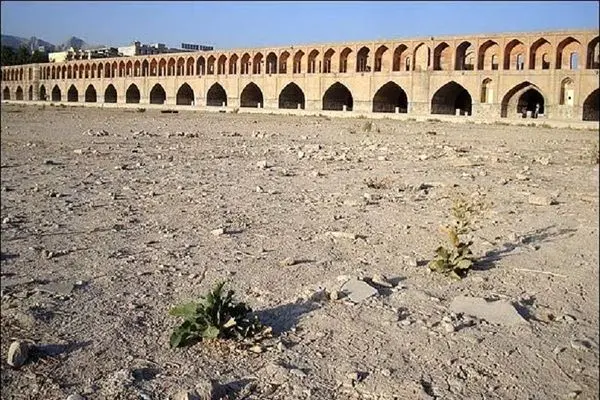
222, 65
464, 57
344, 59
362, 60
533, 101
6, 93
486, 91
522, 98
539, 49
451, 99
233, 64
488, 56
591, 106
512, 52
327, 57
171, 67
210, 65
132, 95
399, 56
257, 64
251, 96
189, 67
30, 93
574, 61
72, 94
145, 67
567, 93
110, 94
312, 62
297, 67
245, 64
380, 65
158, 95
19, 93
422, 57
43, 93
565, 52
271, 63
180, 68
56, 95
153, 71
162, 67
291, 97
336, 97
283, 60
200, 66
216, 96
593, 54
136, 68
185, 95
389, 98
442, 59
90, 94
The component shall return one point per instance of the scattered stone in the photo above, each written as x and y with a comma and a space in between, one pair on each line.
186, 395
218, 232
259, 189
256, 349
75, 396
62, 288
358, 291
298, 372
381, 280
18, 354
448, 327
582, 344
540, 200
386, 372
318, 295
342, 235
335, 295
499, 312
288, 262
521, 177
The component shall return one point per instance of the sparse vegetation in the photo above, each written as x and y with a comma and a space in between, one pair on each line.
455, 261
217, 316
235, 110
594, 154
433, 120
141, 110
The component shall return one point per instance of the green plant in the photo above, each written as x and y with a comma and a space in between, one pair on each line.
595, 154
215, 317
367, 126
235, 110
455, 261
141, 110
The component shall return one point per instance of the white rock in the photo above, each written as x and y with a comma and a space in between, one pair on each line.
358, 291
18, 354
75, 396
218, 232
499, 312
381, 280
540, 200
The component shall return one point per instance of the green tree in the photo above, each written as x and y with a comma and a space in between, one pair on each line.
7, 56
39, 57
23, 56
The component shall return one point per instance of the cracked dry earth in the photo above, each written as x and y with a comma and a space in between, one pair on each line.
102, 233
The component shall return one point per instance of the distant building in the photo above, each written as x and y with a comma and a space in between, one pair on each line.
138, 49
195, 47
77, 54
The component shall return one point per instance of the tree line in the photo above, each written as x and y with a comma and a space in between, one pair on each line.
22, 55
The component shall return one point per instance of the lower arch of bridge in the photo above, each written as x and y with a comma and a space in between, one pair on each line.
56, 95
251, 96
336, 97
216, 96
19, 93
110, 94
522, 98
185, 95
132, 95
90, 94
6, 93
451, 97
157, 95
72, 94
43, 93
389, 97
292, 97
591, 106
30, 93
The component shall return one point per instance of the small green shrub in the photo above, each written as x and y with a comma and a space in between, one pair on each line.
215, 317
141, 110
433, 120
367, 126
455, 261
235, 110
595, 154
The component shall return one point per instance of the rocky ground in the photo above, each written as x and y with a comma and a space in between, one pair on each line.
110, 218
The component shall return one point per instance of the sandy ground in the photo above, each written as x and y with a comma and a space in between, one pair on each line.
101, 235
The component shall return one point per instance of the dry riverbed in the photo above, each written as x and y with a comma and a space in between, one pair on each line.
109, 219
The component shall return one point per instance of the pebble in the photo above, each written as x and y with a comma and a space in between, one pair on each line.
448, 327
298, 372
18, 354
381, 280
540, 200
217, 232
75, 396
186, 395
289, 261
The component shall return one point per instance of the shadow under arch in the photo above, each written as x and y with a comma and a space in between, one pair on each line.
522, 97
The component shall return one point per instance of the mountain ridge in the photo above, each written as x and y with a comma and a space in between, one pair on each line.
33, 43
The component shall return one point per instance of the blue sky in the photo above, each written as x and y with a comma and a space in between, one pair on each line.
255, 24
